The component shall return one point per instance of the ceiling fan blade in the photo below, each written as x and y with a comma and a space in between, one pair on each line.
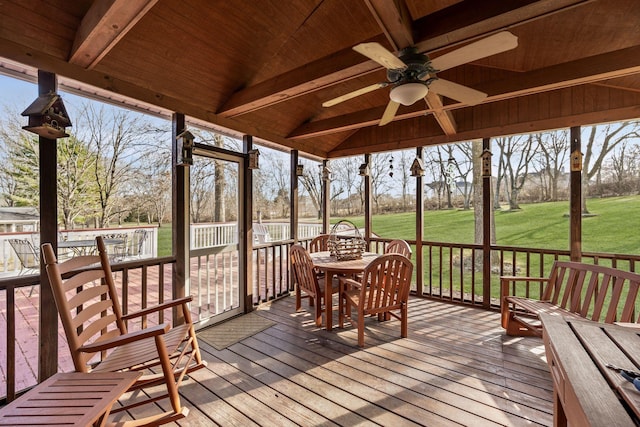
492, 45
381, 55
389, 113
353, 94
456, 91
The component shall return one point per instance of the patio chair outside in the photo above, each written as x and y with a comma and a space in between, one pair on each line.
383, 290
98, 338
118, 251
27, 255
261, 234
307, 281
139, 238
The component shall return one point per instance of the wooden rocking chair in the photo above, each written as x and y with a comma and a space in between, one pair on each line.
98, 338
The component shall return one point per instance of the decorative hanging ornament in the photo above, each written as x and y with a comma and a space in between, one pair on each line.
449, 175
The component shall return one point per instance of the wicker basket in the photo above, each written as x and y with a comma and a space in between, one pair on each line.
344, 246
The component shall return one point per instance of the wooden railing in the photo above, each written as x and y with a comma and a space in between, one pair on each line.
451, 272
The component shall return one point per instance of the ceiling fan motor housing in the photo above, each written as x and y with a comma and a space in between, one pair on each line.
418, 68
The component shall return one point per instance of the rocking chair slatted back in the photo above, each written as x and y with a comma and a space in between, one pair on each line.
85, 294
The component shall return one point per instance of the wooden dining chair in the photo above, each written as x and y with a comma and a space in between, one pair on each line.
96, 330
319, 243
398, 247
383, 290
308, 284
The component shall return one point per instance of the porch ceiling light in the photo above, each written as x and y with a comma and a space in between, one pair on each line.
408, 93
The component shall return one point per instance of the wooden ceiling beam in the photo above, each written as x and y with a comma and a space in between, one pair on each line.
103, 26
41, 60
589, 70
465, 21
394, 19
443, 117
341, 66
344, 65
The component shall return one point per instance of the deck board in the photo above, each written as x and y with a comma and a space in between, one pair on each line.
457, 367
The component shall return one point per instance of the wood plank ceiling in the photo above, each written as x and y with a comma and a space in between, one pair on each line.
265, 67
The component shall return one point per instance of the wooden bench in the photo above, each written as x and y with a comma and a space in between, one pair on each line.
573, 289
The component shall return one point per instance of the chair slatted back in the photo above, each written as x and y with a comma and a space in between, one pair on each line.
304, 273
319, 243
388, 280
398, 247
87, 301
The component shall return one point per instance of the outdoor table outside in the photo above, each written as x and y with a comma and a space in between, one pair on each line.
86, 247
330, 265
586, 391
72, 398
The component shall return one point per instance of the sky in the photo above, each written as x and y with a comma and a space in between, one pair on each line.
14, 91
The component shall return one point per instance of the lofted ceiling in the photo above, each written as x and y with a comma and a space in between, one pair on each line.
264, 67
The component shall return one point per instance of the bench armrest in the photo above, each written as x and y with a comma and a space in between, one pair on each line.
125, 339
505, 281
156, 308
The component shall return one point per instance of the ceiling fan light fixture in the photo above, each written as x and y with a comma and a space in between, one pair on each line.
408, 93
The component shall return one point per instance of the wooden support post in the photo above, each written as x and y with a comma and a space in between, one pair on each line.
367, 203
245, 224
180, 218
293, 202
575, 197
419, 226
48, 336
326, 198
486, 231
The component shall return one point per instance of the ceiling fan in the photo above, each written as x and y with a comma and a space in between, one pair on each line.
413, 74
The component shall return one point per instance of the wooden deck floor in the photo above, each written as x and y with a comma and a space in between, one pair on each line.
457, 367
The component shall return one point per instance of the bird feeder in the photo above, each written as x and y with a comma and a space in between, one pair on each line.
47, 117
185, 148
486, 163
417, 167
253, 159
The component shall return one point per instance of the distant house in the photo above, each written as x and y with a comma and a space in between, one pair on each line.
24, 219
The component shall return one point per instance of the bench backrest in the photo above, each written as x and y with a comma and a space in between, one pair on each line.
595, 292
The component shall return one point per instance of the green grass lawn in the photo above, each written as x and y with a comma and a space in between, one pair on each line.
614, 226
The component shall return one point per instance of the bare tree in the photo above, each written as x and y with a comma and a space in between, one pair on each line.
114, 137
552, 153
219, 183
312, 184
404, 174
434, 168
379, 171
202, 172
346, 180
517, 151
464, 168
605, 138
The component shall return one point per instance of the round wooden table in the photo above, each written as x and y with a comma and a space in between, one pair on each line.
328, 264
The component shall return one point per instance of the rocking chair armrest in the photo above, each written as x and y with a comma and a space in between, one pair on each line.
156, 308
126, 338
506, 280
